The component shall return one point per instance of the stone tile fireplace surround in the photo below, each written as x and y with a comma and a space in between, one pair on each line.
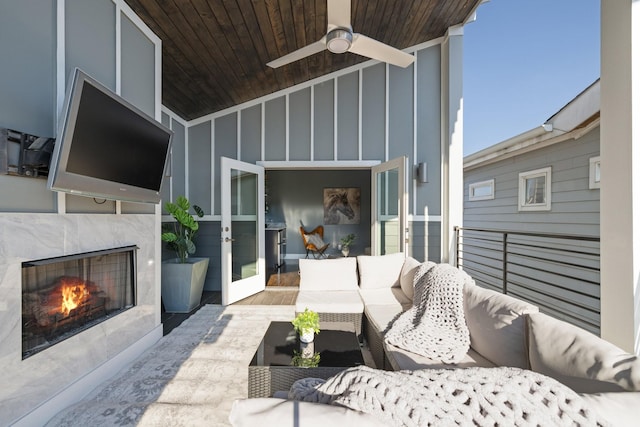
39, 386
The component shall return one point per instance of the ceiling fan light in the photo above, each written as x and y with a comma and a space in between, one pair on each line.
339, 40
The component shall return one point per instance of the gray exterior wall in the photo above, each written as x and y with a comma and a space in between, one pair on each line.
28, 87
575, 209
369, 112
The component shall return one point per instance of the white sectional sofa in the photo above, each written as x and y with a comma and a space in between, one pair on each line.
504, 331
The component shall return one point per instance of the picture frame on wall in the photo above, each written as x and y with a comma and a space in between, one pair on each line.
341, 205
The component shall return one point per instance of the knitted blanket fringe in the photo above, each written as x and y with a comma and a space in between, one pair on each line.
451, 397
435, 325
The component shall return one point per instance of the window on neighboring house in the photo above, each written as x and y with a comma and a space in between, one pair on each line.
483, 190
594, 172
534, 192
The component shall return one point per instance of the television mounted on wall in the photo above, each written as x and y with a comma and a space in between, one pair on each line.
107, 148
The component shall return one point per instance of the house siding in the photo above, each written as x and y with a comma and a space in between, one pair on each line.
370, 112
575, 209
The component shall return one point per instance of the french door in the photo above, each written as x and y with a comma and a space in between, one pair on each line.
242, 234
389, 232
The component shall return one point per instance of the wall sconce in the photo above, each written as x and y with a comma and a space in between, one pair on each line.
422, 174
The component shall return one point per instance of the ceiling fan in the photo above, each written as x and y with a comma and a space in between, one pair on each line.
340, 38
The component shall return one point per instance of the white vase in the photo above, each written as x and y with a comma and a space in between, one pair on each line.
345, 251
307, 335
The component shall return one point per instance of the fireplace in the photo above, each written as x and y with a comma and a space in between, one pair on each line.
66, 295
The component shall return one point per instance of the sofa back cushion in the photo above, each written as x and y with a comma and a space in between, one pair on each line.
380, 271
338, 274
497, 326
407, 273
578, 358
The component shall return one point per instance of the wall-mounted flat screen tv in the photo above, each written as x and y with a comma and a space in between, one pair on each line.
107, 148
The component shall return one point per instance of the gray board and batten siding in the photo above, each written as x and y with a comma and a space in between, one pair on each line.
371, 112
575, 210
28, 84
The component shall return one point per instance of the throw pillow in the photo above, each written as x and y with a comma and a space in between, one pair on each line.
315, 240
407, 274
497, 325
578, 358
380, 271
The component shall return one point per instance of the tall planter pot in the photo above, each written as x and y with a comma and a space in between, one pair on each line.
182, 284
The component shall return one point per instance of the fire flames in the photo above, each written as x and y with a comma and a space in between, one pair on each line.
74, 293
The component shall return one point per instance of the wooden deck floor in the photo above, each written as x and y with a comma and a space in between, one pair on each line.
272, 296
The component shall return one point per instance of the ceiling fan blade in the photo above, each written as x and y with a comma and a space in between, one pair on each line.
338, 14
366, 46
303, 52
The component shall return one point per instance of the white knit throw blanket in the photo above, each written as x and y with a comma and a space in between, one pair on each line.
452, 397
434, 326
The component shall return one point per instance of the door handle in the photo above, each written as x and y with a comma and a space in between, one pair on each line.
226, 239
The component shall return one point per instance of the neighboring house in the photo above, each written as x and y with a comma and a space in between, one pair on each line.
546, 180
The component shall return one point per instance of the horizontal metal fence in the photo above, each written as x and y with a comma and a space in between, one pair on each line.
558, 273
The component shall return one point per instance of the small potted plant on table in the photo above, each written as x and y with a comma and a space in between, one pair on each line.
307, 324
346, 242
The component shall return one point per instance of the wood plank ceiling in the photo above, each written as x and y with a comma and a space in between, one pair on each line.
214, 51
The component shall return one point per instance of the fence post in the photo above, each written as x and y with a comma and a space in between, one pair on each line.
456, 230
504, 263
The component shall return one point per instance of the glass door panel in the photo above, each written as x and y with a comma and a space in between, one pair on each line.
389, 201
243, 269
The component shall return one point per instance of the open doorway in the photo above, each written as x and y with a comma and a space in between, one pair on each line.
297, 196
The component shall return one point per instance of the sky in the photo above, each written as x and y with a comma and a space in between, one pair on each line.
523, 61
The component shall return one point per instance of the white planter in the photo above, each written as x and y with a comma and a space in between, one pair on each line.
345, 252
307, 335
182, 284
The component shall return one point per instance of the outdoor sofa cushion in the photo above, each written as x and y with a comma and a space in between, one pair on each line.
497, 326
386, 296
330, 302
407, 274
338, 274
380, 271
578, 358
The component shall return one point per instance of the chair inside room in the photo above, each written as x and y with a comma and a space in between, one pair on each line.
314, 242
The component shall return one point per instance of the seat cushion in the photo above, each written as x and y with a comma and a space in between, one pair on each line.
380, 271
338, 274
403, 359
330, 302
381, 316
578, 358
407, 274
497, 326
384, 296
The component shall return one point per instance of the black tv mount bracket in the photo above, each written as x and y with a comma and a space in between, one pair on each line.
23, 154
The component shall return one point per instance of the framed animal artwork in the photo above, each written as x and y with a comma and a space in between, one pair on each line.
341, 206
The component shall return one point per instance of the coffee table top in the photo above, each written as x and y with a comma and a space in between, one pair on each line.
336, 344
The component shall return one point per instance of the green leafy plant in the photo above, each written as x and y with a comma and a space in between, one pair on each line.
307, 320
305, 362
347, 240
180, 234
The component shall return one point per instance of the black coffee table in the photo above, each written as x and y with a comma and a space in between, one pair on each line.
273, 367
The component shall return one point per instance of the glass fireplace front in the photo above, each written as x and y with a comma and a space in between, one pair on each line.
63, 296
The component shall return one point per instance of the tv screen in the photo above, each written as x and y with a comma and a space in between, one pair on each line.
106, 147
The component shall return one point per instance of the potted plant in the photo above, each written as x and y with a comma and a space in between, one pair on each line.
346, 242
182, 277
306, 325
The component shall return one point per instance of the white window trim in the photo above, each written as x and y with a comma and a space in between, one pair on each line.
491, 183
523, 176
594, 164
